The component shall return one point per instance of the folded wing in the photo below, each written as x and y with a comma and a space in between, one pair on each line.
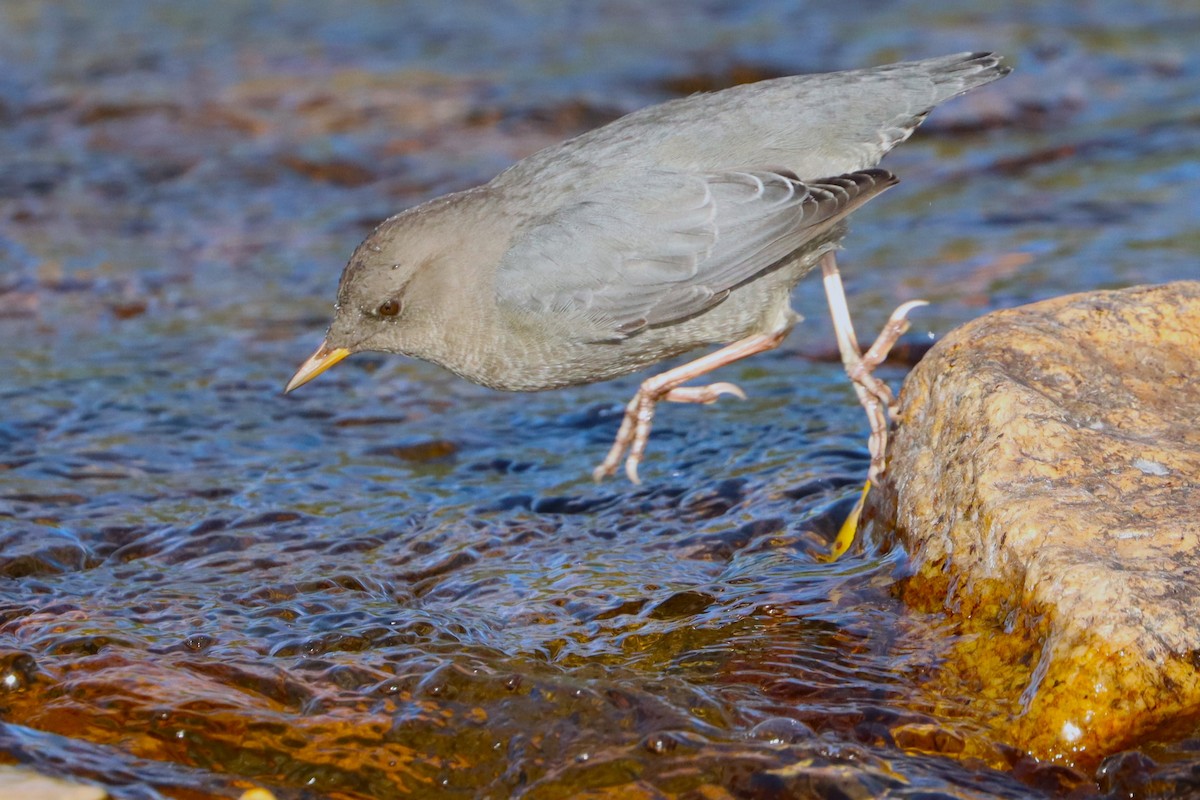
667, 245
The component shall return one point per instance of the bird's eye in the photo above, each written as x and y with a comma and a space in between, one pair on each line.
389, 308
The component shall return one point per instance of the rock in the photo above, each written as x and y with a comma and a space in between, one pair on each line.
24, 783
1045, 478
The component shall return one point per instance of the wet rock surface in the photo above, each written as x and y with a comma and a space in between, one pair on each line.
1044, 477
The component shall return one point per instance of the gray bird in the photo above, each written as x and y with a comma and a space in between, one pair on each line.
677, 226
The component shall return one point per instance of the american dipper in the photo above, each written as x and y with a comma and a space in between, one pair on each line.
680, 225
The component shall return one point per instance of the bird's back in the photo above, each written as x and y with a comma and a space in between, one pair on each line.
811, 125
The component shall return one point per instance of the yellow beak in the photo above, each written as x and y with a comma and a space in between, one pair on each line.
317, 363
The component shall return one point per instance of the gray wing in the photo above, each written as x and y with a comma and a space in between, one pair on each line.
669, 244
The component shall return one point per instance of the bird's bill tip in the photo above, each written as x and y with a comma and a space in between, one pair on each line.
318, 362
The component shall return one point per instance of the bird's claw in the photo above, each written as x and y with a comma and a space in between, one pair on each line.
704, 394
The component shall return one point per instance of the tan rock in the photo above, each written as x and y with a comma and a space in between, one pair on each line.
24, 783
1045, 477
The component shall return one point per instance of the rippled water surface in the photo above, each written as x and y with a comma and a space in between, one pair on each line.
394, 583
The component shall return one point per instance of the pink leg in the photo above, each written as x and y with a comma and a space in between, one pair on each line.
639, 414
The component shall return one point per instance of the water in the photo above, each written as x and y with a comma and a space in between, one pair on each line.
393, 582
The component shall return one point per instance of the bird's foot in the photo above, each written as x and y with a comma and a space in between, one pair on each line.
849, 528
635, 427
880, 404
875, 395
860, 372
634, 433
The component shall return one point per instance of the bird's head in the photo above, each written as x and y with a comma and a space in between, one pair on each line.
381, 294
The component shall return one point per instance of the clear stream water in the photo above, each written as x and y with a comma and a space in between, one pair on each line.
394, 583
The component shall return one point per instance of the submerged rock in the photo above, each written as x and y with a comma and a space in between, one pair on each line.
1045, 477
